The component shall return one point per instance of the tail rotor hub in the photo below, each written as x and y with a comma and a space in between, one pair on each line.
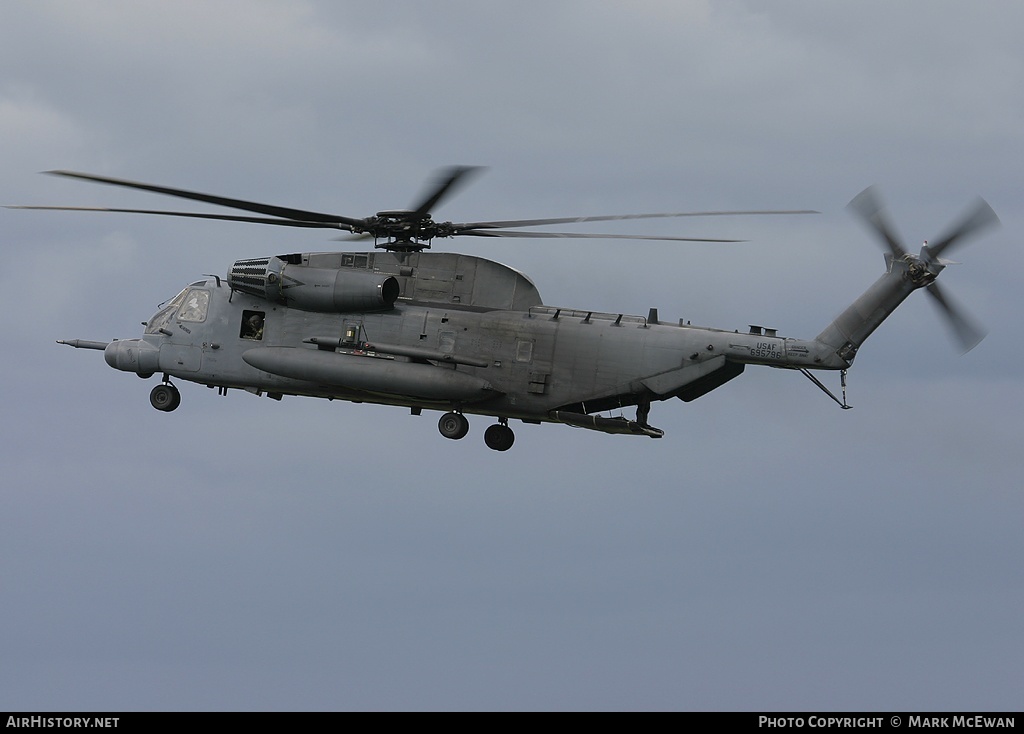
920, 271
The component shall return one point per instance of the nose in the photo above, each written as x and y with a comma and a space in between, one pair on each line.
132, 355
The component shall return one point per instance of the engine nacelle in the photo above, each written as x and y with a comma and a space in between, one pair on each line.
335, 289
332, 290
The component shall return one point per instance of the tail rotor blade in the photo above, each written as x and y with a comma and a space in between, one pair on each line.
979, 217
965, 330
868, 206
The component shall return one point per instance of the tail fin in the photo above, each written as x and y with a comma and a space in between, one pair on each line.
849, 330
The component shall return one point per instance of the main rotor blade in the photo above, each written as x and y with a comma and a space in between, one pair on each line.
869, 207
251, 206
977, 218
194, 215
448, 180
577, 235
965, 330
617, 217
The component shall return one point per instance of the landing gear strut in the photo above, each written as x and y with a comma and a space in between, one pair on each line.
453, 425
165, 397
643, 409
499, 436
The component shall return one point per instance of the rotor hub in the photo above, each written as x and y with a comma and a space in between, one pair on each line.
403, 230
919, 271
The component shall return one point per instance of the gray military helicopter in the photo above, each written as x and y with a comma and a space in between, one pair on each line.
466, 335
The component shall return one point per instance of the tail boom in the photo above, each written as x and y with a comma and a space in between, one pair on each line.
853, 326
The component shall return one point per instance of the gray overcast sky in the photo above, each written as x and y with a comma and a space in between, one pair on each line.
771, 552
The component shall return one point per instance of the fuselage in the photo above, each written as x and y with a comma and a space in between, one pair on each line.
464, 334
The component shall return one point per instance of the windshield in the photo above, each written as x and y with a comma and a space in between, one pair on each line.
197, 303
163, 316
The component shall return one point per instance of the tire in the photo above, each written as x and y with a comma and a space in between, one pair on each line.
499, 437
453, 426
165, 398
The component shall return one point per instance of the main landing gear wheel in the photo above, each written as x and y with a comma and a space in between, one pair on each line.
165, 397
453, 425
499, 437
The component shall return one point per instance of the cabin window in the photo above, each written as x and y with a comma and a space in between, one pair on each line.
524, 351
196, 304
354, 260
252, 325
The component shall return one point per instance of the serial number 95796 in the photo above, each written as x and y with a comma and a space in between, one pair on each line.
767, 350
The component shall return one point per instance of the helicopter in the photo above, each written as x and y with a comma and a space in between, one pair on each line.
465, 335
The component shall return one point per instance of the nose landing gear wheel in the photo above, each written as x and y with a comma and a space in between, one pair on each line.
453, 425
165, 397
499, 437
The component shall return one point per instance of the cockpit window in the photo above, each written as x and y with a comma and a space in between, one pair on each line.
196, 304
159, 321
